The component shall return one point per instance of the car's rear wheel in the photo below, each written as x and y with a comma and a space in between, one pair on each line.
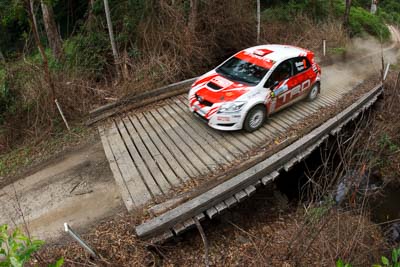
255, 118
313, 92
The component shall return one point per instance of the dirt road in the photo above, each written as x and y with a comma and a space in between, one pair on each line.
79, 189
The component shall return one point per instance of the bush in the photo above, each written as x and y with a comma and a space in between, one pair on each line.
16, 249
7, 99
88, 53
362, 22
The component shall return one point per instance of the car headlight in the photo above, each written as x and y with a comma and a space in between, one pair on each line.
231, 107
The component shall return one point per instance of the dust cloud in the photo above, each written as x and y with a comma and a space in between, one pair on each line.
362, 59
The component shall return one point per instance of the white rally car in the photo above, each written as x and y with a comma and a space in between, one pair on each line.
253, 84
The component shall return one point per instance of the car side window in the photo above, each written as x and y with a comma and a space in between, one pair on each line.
300, 64
282, 72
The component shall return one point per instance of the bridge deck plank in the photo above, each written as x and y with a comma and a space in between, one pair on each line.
215, 138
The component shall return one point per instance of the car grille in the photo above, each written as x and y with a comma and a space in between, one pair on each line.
213, 86
203, 101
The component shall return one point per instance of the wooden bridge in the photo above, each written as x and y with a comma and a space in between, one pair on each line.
160, 153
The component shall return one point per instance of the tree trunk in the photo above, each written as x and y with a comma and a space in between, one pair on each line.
258, 20
111, 33
193, 15
2, 56
32, 21
53, 35
90, 8
374, 6
347, 14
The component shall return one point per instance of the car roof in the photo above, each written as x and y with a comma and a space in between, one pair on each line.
275, 53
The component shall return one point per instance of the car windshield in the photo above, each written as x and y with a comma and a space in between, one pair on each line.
242, 71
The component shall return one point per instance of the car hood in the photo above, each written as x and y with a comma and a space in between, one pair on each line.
215, 88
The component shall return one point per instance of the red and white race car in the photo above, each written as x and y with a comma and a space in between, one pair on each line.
253, 84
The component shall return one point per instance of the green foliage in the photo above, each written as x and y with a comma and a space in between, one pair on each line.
7, 98
394, 262
389, 10
89, 53
36, 58
58, 263
361, 21
315, 214
318, 9
340, 263
16, 248
385, 142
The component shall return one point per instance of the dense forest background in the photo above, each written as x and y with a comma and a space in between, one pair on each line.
61, 49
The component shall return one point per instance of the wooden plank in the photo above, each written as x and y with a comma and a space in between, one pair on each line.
270, 177
240, 196
230, 202
250, 190
123, 189
241, 140
136, 186
155, 153
189, 223
162, 237
268, 132
141, 167
221, 207
301, 112
177, 168
183, 137
178, 228
250, 139
203, 143
331, 98
152, 174
285, 116
260, 136
217, 138
196, 162
211, 212
273, 121
250, 176
307, 109
200, 217
232, 138
180, 157
282, 122
270, 126
324, 101
297, 117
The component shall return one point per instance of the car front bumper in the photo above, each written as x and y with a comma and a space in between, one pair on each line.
220, 121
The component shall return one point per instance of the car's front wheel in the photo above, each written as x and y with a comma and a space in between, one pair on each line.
313, 92
255, 118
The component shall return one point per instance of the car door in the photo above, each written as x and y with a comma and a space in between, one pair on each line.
302, 77
280, 87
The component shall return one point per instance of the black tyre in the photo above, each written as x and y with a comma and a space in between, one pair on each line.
312, 95
255, 118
